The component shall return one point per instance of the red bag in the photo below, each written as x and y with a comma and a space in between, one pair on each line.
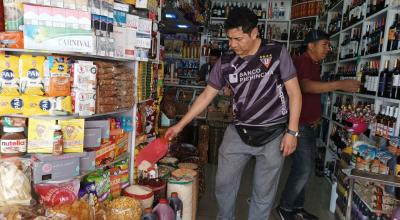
58, 193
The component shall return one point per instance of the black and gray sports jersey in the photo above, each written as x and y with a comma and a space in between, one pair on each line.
260, 97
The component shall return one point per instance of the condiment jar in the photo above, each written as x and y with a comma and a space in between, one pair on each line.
13, 142
58, 141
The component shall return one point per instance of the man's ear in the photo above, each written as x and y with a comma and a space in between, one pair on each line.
254, 33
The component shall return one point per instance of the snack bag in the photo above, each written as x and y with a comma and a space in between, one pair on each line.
40, 135
58, 193
9, 81
59, 81
115, 182
40, 105
10, 105
73, 134
103, 185
123, 167
31, 69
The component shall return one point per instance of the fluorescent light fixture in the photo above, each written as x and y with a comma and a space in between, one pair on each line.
170, 15
182, 26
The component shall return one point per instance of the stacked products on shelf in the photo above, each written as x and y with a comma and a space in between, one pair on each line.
106, 28
59, 85
305, 8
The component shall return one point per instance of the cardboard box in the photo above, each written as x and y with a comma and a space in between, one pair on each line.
84, 75
105, 128
13, 40
56, 168
92, 137
88, 163
83, 102
105, 154
121, 144
119, 36
40, 135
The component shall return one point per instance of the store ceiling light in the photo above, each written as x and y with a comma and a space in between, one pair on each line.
182, 26
170, 16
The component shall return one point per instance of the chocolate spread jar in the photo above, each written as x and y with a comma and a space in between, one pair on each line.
13, 142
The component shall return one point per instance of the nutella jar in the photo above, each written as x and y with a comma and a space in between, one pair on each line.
13, 142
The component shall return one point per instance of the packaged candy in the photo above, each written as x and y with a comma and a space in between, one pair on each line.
40, 135
9, 81
59, 77
31, 69
11, 105
40, 105
73, 135
103, 185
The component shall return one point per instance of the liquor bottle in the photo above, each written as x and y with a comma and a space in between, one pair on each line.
263, 14
227, 9
385, 122
396, 81
219, 10
396, 42
392, 32
382, 80
214, 9
223, 6
391, 122
270, 12
276, 11
282, 11
254, 9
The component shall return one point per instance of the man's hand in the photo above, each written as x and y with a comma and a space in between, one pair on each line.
288, 144
349, 85
172, 132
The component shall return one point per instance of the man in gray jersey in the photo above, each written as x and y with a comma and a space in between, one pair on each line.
264, 82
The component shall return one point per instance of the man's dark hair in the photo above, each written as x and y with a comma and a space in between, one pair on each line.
241, 17
215, 52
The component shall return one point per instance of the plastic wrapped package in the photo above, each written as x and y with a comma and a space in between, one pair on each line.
58, 192
105, 76
15, 183
129, 77
106, 87
107, 93
106, 108
78, 210
123, 208
107, 100
102, 82
15, 212
103, 64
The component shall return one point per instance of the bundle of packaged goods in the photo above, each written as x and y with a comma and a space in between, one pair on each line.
115, 87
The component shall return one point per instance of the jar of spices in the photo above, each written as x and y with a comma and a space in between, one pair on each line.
13, 142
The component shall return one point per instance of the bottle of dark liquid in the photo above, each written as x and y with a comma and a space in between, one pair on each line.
396, 81
396, 42
397, 173
389, 83
392, 34
382, 80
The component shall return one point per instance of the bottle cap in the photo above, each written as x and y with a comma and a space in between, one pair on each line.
174, 195
163, 201
13, 129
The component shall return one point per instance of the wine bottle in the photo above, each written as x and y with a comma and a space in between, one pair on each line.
391, 35
382, 80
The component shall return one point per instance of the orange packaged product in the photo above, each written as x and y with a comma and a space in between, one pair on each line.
60, 80
13, 40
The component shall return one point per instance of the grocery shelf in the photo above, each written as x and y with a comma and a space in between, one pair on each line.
372, 55
348, 60
337, 34
277, 20
184, 86
223, 19
305, 2
394, 52
66, 117
219, 38
143, 101
118, 159
365, 96
343, 93
280, 41
296, 41
376, 14
74, 54
329, 63
304, 18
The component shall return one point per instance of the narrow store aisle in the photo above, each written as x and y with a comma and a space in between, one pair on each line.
317, 198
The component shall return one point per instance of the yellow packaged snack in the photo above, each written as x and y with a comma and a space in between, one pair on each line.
73, 134
9, 81
40, 105
10, 105
31, 69
40, 135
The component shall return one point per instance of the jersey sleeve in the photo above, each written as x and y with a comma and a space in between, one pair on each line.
287, 69
216, 79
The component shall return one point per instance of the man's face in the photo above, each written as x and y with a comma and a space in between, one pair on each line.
319, 49
241, 43
213, 60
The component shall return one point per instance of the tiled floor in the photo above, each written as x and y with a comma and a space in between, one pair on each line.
317, 197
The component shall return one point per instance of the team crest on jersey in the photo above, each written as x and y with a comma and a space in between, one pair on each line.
266, 60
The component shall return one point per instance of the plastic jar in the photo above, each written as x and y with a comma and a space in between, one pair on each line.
13, 142
142, 193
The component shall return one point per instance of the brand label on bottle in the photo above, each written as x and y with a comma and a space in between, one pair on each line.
13, 146
392, 33
179, 215
57, 143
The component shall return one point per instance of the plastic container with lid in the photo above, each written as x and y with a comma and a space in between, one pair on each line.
149, 215
164, 211
13, 142
142, 193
